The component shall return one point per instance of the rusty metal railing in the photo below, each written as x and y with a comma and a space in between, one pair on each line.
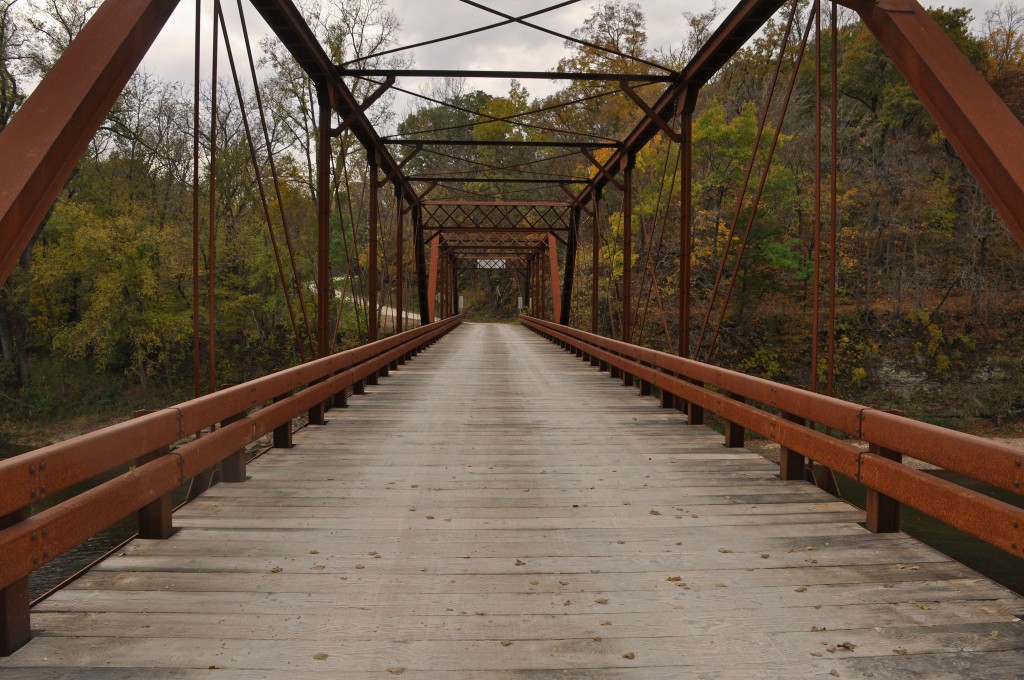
744, 401
241, 415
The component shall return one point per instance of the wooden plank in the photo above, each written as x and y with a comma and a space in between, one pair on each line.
493, 491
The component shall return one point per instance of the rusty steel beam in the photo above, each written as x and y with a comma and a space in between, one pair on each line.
498, 180
556, 296
43, 142
986, 135
291, 28
518, 75
323, 213
502, 143
742, 23
502, 204
570, 265
432, 280
421, 263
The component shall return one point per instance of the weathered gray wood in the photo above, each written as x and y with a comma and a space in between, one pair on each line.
496, 490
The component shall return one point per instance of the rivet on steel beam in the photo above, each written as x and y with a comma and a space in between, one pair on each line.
1016, 484
46, 531
42, 466
46, 555
1017, 462
31, 469
35, 559
42, 489
32, 493
34, 536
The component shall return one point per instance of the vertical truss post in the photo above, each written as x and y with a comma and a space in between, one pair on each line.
627, 248
542, 298
570, 264
455, 287
421, 264
442, 283
595, 266
323, 239
43, 142
323, 220
373, 159
556, 296
685, 230
399, 264
432, 281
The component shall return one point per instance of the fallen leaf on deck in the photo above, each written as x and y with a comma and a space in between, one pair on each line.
567, 603
816, 629
320, 656
653, 512
535, 582
849, 646
900, 650
724, 550
360, 566
834, 673
506, 643
276, 570
993, 635
629, 655
801, 589
604, 622
314, 552
674, 578
601, 600
520, 563
396, 670
319, 567
765, 556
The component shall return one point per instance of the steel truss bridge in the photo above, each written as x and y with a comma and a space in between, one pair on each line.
467, 502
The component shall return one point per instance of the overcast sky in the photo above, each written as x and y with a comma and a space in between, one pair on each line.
505, 48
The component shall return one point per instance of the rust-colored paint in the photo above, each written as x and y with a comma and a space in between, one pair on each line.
556, 294
986, 135
432, 280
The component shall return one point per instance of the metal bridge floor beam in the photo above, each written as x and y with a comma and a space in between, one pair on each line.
496, 510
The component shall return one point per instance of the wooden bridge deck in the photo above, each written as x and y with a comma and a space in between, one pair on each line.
497, 510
